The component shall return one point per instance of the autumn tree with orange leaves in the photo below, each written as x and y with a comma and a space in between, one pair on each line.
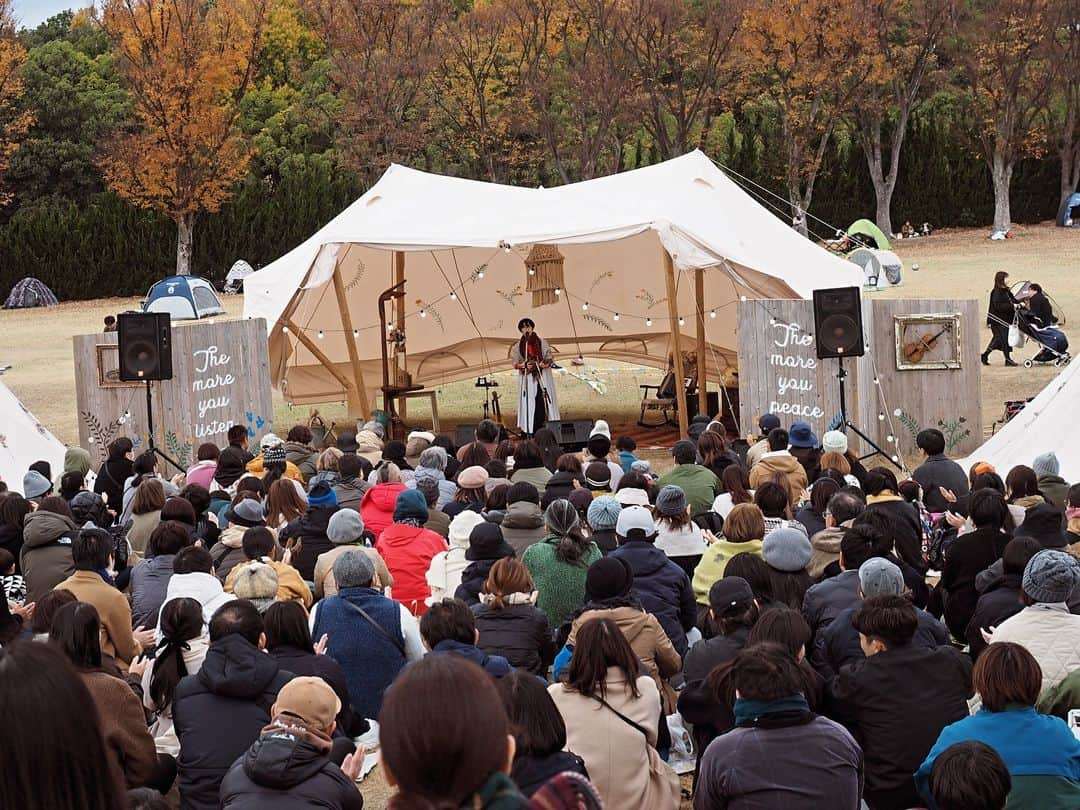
187, 64
13, 124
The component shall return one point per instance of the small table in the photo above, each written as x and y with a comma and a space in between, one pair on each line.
421, 394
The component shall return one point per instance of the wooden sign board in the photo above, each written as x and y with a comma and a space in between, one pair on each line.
888, 397
221, 377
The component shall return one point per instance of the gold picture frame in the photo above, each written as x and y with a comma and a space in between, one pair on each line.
108, 367
930, 341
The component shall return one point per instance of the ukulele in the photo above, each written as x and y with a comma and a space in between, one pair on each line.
914, 352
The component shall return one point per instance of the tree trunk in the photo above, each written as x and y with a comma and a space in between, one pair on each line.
1001, 171
883, 193
185, 227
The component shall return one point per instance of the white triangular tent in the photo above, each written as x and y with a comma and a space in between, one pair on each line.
466, 247
1047, 423
24, 440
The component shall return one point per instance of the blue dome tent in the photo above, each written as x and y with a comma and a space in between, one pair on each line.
184, 298
1069, 216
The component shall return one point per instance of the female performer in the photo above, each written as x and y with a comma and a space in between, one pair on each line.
1001, 314
537, 402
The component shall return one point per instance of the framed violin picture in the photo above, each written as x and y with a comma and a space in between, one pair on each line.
928, 342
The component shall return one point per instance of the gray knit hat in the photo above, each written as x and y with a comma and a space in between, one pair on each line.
345, 527
354, 569
433, 458
561, 517
787, 549
604, 512
1046, 464
35, 484
1051, 576
878, 577
671, 501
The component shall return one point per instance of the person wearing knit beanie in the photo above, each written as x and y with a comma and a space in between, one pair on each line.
608, 578
321, 494
787, 549
602, 517
1050, 576
677, 535
834, 441
411, 506
1046, 464
671, 501
1048, 474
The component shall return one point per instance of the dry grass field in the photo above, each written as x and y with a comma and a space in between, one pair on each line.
37, 343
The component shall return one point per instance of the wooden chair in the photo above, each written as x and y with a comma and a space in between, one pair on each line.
663, 399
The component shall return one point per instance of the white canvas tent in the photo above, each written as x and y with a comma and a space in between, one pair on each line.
462, 247
1046, 423
24, 440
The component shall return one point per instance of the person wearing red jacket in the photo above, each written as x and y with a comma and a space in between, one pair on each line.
377, 505
407, 547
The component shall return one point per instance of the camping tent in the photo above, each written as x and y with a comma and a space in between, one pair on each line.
1068, 215
30, 293
869, 234
1040, 427
24, 440
184, 298
477, 256
234, 282
881, 268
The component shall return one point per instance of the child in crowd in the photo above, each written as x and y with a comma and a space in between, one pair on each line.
626, 447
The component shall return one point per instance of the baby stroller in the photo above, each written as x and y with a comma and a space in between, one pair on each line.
1055, 346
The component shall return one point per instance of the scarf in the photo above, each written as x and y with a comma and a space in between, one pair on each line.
748, 712
1072, 513
531, 348
508, 599
497, 793
410, 521
105, 575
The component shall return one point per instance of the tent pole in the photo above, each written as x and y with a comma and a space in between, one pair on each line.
702, 378
358, 404
399, 317
676, 345
322, 358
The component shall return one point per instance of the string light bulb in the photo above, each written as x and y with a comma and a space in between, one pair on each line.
453, 295
890, 438
742, 298
881, 417
772, 321
585, 306
532, 272
682, 321
356, 333
480, 273
877, 381
712, 313
321, 335
558, 290
615, 317
285, 330
423, 313
648, 321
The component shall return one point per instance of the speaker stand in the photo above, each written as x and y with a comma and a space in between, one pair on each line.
847, 424
150, 430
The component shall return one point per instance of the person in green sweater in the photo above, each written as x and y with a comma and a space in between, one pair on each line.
699, 483
743, 531
558, 563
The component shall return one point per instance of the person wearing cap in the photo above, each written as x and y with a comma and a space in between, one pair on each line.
346, 532
779, 464
415, 444
259, 546
677, 535
558, 563
762, 761
377, 505
523, 523
1045, 627
598, 448
767, 422
1001, 598
370, 635
635, 489
431, 464
803, 445
220, 711
246, 512
733, 610
538, 402
408, 548
897, 700
609, 585
660, 583
352, 482
598, 478
486, 547
1053, 487
602, 517
698, 483
449, 628
471, 493
836, 441
309, 530
292, 764
838, 644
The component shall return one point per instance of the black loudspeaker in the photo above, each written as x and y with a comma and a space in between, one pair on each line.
145, 344
838, 322
571, 434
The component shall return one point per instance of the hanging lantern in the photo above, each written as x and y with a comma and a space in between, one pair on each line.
545, 265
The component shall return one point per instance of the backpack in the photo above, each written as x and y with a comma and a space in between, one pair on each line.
942, 535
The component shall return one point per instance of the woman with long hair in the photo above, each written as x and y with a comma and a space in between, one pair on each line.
474, 455
114, 472
434, 754
549, 446
472, 491
812, 515
529, 465
283, 504
179, 653
744, 531
52, 746
904, 522
568, 468
150, 577
13, 511
509, 623
612, 716
146, 508
76, 632
1023, 487
1001, 313
715, 453
736, 483
558, 563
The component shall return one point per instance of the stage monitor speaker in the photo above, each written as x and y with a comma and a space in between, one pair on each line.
145, 346
838, 322
571, 434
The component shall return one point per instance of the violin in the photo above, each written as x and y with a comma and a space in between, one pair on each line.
915, 351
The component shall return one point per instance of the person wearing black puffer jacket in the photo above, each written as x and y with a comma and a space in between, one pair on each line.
902, 518
486, 547
508, 621
311, 528
114, 471
292, 763
219, 712
1001, 598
